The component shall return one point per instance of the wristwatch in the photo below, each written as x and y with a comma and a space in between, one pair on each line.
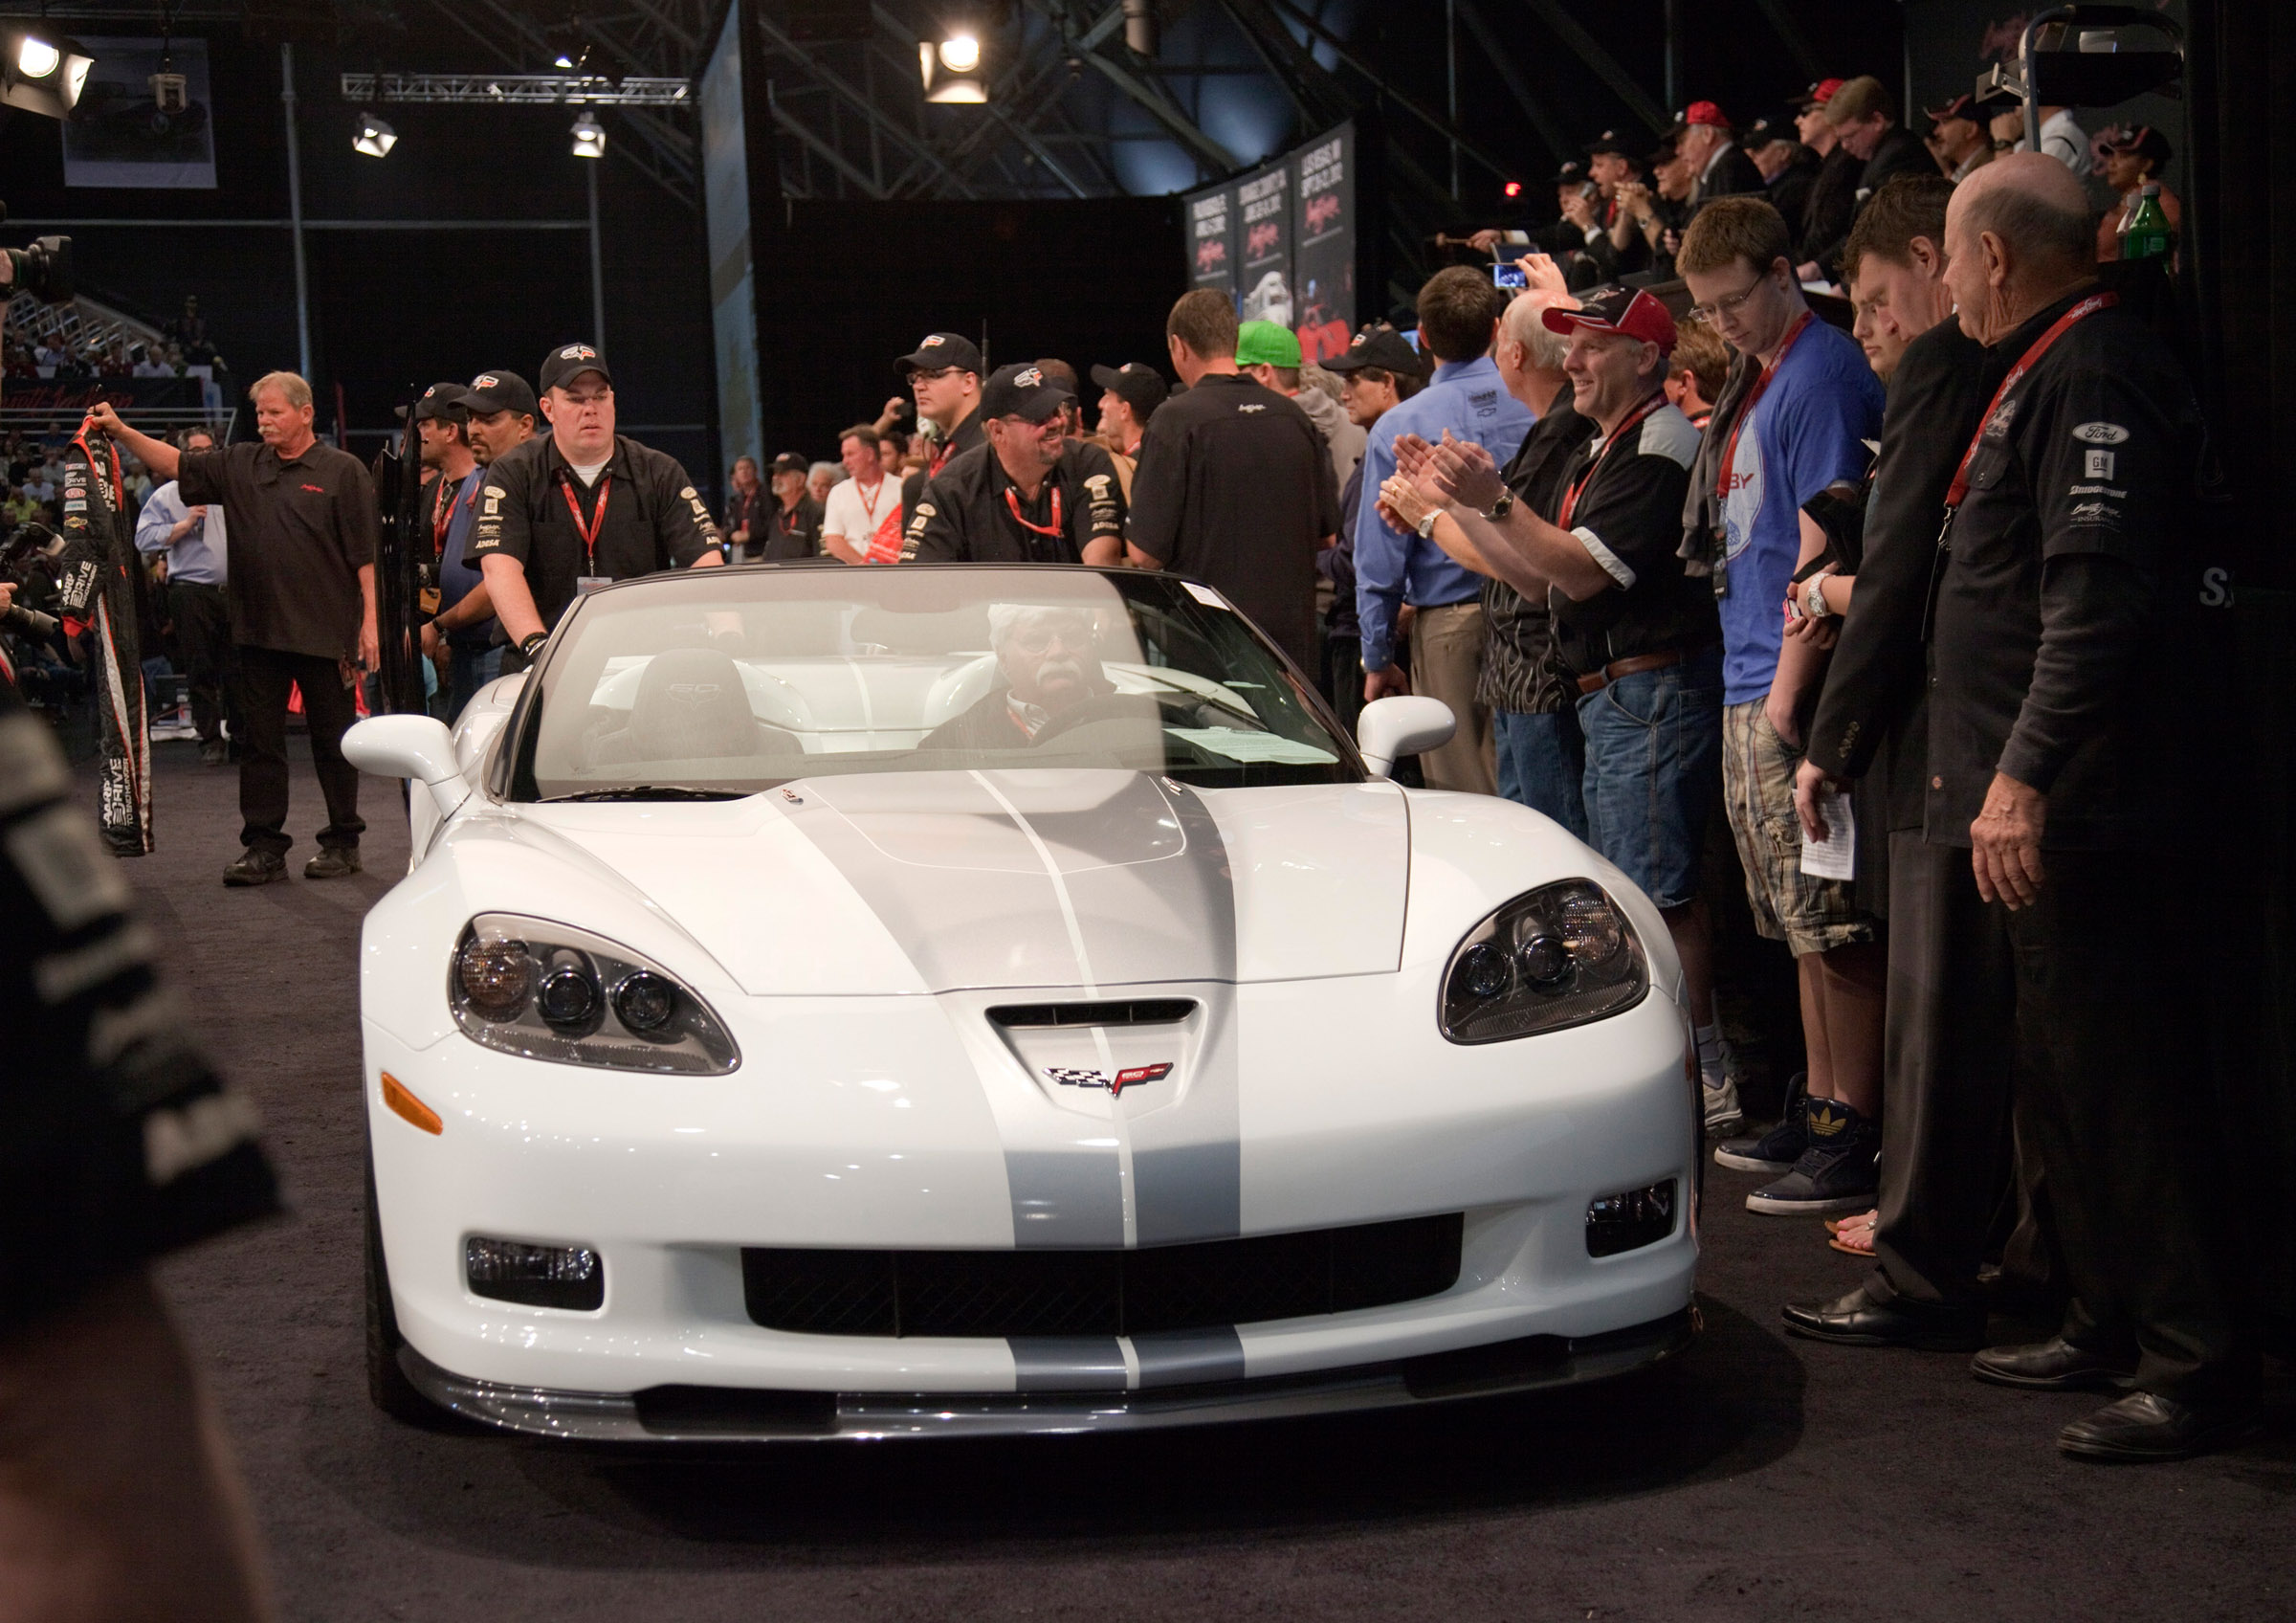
532, 641
1500, 508
1813, 600
1426, 524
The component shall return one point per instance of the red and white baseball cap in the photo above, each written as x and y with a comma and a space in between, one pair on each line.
1701, 113
1628, 310
1818, 94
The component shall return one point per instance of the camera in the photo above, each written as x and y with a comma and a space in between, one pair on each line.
44, 270
1507, 274
33, 551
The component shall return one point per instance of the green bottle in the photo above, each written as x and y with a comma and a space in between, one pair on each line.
2145, 228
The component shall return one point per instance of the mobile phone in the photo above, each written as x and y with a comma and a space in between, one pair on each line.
1508, 274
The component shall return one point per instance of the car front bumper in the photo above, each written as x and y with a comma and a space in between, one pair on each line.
721, 1415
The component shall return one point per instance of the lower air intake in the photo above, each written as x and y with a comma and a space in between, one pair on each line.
1101, 1293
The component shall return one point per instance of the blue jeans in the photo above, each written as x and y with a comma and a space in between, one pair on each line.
469, 669
1542, 761
1653, 770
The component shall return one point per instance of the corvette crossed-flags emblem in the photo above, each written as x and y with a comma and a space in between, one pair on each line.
1069, 1076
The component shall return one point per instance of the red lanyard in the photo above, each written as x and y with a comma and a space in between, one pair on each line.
1958, 491
1570, 500
1013, 501
442, 510
588, 532
1761, 386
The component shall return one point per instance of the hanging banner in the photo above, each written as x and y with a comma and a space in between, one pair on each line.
732, 272
118, 136
1281, 243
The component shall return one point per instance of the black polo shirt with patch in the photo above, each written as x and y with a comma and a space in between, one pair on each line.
790, 532
963, 516
2053, 652
302, 529
528, 506
1235, 488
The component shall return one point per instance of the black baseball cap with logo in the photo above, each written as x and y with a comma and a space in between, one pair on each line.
494, 392
1383, 347
1138, 385
568, 362
441, 402
938, 349
790, 462
1024, 390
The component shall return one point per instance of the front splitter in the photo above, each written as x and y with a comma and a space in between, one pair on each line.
730, 1414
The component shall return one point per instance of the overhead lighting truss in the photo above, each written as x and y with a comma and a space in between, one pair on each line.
503, 90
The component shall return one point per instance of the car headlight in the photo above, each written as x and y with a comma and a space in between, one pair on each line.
551, 992
1557, 956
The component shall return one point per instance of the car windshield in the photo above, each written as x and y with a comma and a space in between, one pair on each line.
725, 682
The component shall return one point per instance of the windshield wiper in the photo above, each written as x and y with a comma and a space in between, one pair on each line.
648, 792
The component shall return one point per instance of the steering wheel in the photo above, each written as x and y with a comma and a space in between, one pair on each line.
1107, 707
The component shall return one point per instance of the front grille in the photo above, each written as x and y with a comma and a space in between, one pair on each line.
1100, 1293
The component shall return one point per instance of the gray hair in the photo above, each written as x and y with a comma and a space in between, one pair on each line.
290, 383
1523, 322
820, 468
2033, 227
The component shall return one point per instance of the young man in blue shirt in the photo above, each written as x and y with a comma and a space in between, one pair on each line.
1458, 318
1799, 422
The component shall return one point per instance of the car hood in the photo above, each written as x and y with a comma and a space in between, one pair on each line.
938, 882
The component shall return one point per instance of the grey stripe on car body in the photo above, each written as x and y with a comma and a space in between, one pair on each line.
1049, 879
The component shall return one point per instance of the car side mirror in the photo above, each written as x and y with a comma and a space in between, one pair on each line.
411, 747
1406, 724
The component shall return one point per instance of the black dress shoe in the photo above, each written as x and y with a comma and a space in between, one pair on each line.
2145, 1427
333, 863
1857, 1319
256, 867
2053, 1366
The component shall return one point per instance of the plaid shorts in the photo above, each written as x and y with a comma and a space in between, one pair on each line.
1809, 915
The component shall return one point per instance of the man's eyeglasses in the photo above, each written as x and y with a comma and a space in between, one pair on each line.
1727, 306
920, 375
1033, 641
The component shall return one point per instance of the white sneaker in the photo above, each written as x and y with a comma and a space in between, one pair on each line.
1722, 1112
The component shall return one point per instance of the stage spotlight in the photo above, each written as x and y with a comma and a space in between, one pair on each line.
951, 69
375, 137
567, 62
43, 72
589, 136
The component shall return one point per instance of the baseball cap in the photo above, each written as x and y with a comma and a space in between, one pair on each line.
1139, 387
442, 402
1818, 95
1572, 173
789, 462
1264, 344
494, 392
1383, 347
1022, 390
568, 362
1665, 153
938, 349
2141, 140
1858, 99
1762, 133
1607, 141
1698, 113
1630, 310
1962, 106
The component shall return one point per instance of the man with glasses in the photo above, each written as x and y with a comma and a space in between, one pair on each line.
1017, 498
1048, 658
580, 508
943, 373
1795, 417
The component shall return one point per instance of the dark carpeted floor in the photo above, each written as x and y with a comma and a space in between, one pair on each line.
1759, 1478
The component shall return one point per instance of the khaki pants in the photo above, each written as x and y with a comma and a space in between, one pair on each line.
1446, 656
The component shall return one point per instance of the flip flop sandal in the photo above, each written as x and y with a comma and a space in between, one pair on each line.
1845, 1247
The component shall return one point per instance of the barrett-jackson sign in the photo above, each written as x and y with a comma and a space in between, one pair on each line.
77, 394
1281, 243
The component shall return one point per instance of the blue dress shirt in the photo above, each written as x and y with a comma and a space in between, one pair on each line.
201, 557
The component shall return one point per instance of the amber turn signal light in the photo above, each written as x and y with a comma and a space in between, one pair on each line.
409, 1109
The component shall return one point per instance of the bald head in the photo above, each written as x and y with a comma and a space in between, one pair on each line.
1524, 322
2018, 236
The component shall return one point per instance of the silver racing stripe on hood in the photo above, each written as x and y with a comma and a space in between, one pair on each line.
1054, 878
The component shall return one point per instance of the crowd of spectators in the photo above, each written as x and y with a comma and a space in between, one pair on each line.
1617, 525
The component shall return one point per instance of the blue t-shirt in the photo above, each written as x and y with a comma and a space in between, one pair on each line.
1808, 431
457, 577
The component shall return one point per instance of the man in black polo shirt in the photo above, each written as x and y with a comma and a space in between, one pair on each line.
943, 373
792, 528
302, 590
582, 507
1016, 498
2055, 760
1234, 485
1641, 639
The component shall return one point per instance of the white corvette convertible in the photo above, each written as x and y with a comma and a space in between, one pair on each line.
870, 1002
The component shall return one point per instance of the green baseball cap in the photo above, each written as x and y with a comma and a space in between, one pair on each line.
1263, 344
